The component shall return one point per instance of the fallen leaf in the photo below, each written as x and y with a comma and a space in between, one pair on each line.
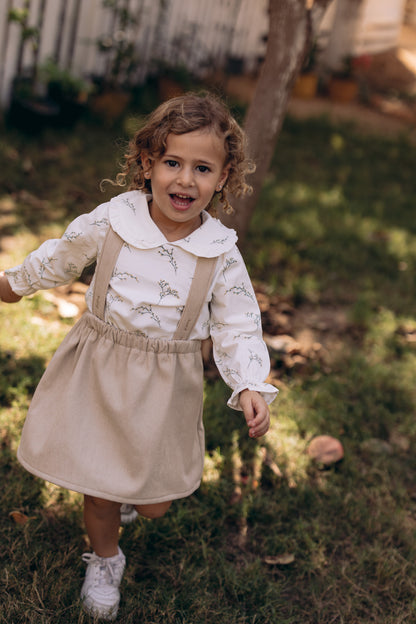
19, 517
282, 344
66, 309
284, 559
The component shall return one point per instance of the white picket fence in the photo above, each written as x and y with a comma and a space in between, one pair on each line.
200, 34
203, 35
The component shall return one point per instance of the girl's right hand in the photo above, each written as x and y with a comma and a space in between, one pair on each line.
256, 412
6, 293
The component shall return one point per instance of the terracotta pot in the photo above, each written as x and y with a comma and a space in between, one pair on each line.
342, 89
110, 105
306, 86
169, 88
33, 115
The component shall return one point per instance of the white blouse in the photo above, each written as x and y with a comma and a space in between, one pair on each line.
151, 281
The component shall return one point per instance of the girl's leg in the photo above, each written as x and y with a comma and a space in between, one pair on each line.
128, 513
157, 510
100, 591
102, 521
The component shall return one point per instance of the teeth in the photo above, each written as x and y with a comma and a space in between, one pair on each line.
183, 196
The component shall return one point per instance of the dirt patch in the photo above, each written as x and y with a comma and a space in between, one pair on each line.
297, 338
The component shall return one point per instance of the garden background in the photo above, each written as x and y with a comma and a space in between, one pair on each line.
271, 537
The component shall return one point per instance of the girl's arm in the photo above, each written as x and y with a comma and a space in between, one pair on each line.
59, 261
239, 350
6, 293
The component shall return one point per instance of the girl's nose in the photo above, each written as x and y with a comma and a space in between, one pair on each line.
186, 177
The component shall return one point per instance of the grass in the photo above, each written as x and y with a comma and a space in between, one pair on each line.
334, 229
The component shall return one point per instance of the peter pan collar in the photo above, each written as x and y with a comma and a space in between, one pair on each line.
130, 218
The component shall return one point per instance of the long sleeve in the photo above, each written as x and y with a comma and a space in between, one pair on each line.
239, 350
59, 261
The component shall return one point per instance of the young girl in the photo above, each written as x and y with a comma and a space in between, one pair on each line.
117, 415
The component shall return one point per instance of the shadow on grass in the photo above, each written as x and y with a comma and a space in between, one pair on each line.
18, 376
54, 177
41, 534
326, 220
39, 552
352, 526
312, 250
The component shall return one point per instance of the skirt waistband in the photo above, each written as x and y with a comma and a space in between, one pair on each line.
132, 340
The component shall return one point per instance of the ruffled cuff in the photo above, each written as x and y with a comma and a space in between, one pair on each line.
267, 391
18, 282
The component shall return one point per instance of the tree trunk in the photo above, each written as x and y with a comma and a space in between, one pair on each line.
292, 30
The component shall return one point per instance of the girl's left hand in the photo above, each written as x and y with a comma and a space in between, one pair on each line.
256, 412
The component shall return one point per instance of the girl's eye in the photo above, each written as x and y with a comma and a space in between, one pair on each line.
203, 168
171, 163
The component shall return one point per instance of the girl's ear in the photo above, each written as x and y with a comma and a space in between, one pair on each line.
147, 164
223, 178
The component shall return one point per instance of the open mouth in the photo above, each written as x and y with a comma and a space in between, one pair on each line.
181, 202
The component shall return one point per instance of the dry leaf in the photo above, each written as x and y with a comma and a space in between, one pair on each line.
19, 517
284, 559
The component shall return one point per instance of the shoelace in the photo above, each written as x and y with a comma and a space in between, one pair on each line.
104, 571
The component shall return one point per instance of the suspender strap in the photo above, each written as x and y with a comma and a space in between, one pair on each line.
105, 266
201, 281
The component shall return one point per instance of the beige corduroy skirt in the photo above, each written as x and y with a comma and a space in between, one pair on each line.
118, 416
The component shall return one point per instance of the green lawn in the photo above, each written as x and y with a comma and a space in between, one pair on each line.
270, 537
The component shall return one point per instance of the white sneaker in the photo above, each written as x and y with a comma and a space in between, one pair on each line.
100, 593
127, 513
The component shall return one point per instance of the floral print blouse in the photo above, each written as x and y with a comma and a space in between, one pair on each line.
151, 280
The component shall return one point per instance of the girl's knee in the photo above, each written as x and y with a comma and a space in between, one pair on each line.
99, 505
157, 510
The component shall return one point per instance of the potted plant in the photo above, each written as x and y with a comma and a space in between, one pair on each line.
30, 110
306, 84
69, 92
29, 107
55, 97
113, 89
343, 85
173, 80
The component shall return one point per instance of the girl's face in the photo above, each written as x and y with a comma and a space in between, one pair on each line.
184, 180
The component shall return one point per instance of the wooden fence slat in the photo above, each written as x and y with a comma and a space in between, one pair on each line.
73, 34
59, 31
5, 37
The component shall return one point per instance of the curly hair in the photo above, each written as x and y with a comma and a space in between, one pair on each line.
180, 115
